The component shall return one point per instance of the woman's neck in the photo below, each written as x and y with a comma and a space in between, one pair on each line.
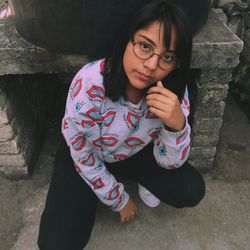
134, 95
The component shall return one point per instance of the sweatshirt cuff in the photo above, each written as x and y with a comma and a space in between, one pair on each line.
121, 202
176, 138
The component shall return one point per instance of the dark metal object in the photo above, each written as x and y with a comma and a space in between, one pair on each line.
234, 9
85, 26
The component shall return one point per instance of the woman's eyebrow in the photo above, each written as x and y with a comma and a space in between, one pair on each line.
148, 39
152, 42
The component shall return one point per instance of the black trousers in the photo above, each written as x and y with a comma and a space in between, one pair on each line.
70, 208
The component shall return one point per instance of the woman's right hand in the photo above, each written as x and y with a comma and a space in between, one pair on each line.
128, 212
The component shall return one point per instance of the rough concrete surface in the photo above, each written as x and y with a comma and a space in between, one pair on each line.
221, 221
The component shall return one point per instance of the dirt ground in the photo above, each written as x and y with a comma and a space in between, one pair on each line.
15, 193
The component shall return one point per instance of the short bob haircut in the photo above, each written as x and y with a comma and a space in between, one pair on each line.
169, 15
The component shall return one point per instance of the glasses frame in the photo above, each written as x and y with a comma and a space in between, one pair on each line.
177, 64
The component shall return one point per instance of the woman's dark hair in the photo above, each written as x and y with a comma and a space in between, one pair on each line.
170, 16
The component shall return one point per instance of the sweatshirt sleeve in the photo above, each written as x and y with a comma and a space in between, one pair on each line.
81, 130
171, 149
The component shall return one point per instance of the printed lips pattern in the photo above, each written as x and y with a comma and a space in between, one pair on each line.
185, 101
65, 124
133, 119
134, 142
87, 124
97, 143
120, 157
78, 143
109, 141
117, 203
114, 194
184, 152
108, 118
98, 183
154, 134
90, 161
96, 92
77, 87
150, 115
102, 65
171, 167
94, 115
182, 137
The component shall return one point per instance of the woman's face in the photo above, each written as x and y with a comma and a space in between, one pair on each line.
142, 73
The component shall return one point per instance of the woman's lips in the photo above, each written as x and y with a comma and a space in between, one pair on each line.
143, 77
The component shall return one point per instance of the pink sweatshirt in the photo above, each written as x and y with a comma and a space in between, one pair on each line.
98, 130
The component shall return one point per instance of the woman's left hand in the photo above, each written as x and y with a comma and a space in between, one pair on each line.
165, 104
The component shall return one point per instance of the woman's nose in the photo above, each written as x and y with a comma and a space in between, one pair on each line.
152, 62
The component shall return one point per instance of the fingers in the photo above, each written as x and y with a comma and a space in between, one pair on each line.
127, 219
128, 216
155, 97
131, 216
159, 83
160, 89
159, 113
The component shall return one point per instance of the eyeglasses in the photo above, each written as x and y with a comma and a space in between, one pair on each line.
144, 50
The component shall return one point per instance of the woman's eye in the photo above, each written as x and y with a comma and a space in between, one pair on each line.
168, 58
145, 46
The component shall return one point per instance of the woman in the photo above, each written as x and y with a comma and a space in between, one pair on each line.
121, 122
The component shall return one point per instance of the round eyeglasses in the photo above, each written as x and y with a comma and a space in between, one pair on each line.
144, 50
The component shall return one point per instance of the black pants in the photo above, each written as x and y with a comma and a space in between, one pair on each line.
70, 209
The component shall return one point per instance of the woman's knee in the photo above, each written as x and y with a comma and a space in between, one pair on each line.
197, 191
193, 190
189, 188
65, 236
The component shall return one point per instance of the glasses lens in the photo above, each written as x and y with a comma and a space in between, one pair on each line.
168, 62
143, 50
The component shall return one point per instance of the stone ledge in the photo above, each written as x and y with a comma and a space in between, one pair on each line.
9, 147
203, 164
200, 152
11, 160
21, 57
212, 94
205, 140
14, 172
215, 77
213, 109
3, 117
6, 133
207, 126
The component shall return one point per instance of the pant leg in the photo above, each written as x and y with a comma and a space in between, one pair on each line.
70, 209
182, 187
